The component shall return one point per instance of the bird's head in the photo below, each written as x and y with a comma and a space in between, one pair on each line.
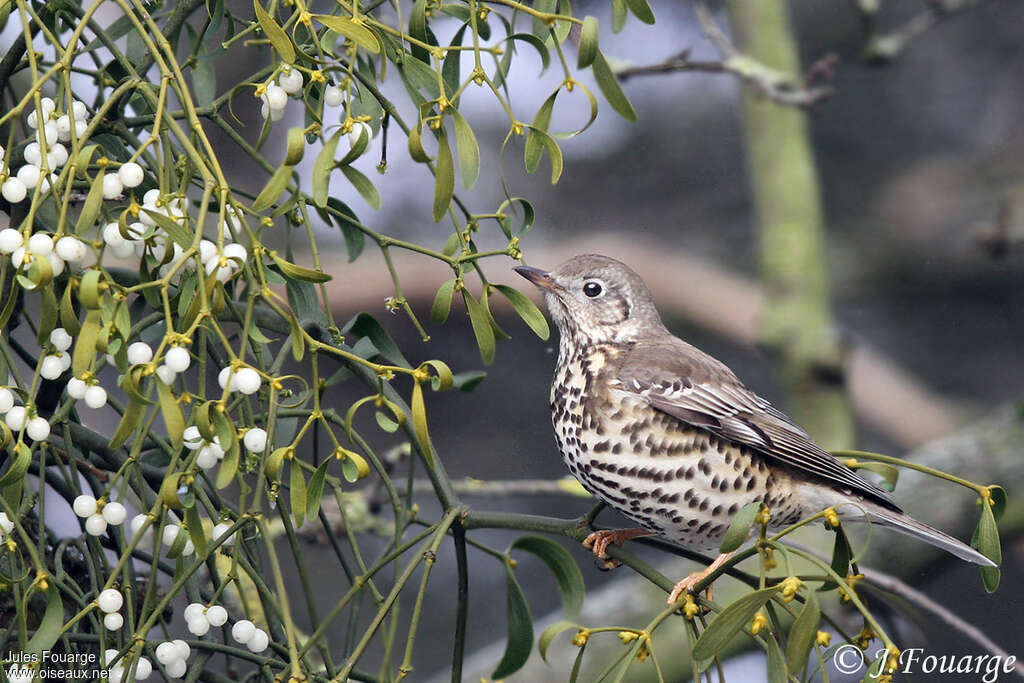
596, 299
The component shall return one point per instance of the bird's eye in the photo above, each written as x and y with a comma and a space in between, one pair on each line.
592, 289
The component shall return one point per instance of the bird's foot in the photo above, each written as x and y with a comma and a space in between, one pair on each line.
599, 541
687, 584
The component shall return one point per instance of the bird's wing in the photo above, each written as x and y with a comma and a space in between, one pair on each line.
699, 390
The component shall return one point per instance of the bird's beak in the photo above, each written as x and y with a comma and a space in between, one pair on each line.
541, 278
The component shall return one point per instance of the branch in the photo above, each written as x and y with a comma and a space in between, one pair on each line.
883, 47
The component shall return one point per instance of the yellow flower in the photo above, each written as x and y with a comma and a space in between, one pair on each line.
789, 587
580, 639
643, 652
759, 622
690, 607
892, 660
628, 636
851, 583
823, 638
764, 516
769, 557
832, 518
864, 638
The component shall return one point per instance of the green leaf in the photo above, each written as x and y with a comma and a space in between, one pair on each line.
275, 34
195, 531
416, 150
618, 15
297, 492
169, 492
986, 541
998, 494
468, 381
291, 270
444, 187
803, 633
273, 189
49, 627
363, 186
85, 344
130, 421
841, 555
365, 325
173, 418
296, 146
777, 672
357, 33
419, 76
442, 305
469, 150
550, 633
609, 85
527, 310
443, 379
48, 315
204, 77
228, 466
739, 528
534, 143
322, 168
728, 623
418, 30
354, 467
589, 37
348, 223
641, 10
91, 207
481, 322
68, 316
419, 422
19, 465
890, 475
561, 564
315, 492
520, 629
272, 465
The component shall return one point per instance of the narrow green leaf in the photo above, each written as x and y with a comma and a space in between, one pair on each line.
91, 207
228, 466
19, 466
297, 492
130, 420
315, 492
534, 143
777, 672
49, 627
275, 34
204, 77
527, 310
173, 419
739, 528
443, 379
469, 151
841, 554
364, 186
194, 523
728, 623
442, 305
273, 189
481, 322
554, 153
577, 665
986, 541
357, 33
589, 37
641, 10
49, 313
298, 341
550, 633
365, 325
322, 168
418, 30
354, 467
348, 223
85, 344
419, 421
296, 146
890, 475
272, 465
169, 492
562, 565
803, 633
520, 629
416, 150
468, 381
618, 15
291, 270
444, 188
611, 89
68, 316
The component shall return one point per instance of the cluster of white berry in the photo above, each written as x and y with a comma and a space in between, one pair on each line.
210, 452
110, 602
115, 673
246, 633
18, 418
96, 517
59, 253
174, 654
275, 95
244, 379
201, 618
168, 535
56, 130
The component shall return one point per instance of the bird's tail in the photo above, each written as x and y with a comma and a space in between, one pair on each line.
905, 524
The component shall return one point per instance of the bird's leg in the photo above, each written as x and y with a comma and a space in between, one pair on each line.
693, 579
599, 541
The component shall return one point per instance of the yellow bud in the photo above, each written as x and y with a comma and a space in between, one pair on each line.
628, 636
759, 622
832, 518
823, 638
580, 639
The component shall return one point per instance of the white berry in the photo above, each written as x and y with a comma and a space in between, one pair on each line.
193, 439
137, 522
60, 338
275, 97
6, 400
178, 359
170, 533
114, 513
10, 240
143, 669
77, 388
247, 381
38, 429
14, 190
333, 97
51, 367
131, 174
259, 641
84, 505
199, 626
243, 630
181, 648
194, 611
225, 376
6, 525
71, 249
95, 397
255, 440
206, 458
40, 244
110, 600
95, 525
219, 530
16, 418
290, 81
166, 653
29, 176
139, 352
177, 668
113, 622
165, 374
216, 615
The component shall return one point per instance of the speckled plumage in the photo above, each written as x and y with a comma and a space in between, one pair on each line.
669, 436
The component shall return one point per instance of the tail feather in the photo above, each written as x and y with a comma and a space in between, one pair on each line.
906, 524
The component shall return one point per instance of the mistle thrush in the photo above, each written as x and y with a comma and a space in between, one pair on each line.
670, 437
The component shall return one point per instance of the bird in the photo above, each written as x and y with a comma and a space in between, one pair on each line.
671, 438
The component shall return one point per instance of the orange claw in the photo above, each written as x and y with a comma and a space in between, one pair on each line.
686, 585
599, 541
